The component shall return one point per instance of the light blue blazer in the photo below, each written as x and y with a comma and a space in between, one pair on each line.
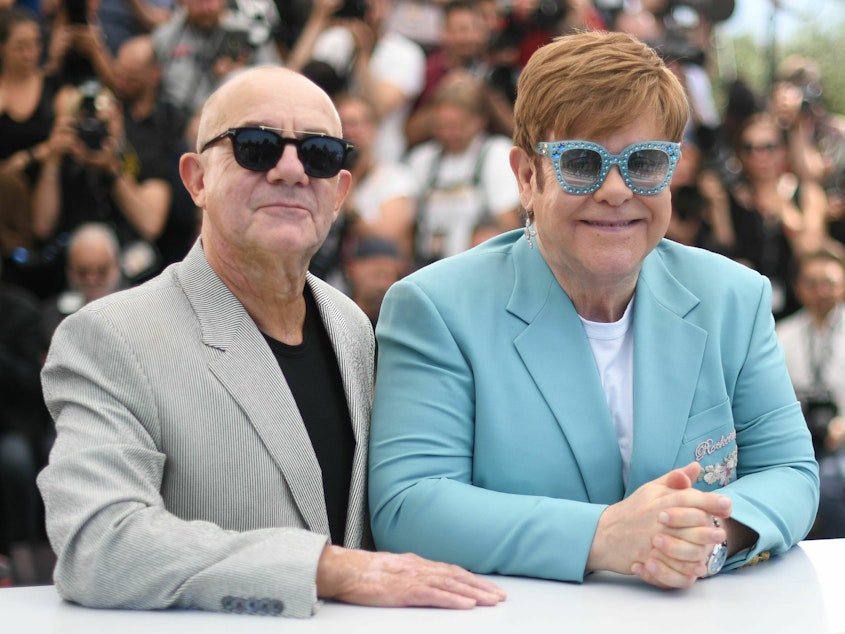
492, 445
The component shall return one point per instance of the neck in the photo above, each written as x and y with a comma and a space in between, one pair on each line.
13, 76
820, 319
602, 305
270, 289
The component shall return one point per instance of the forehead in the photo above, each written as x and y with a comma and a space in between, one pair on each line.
276, 99
24, 30
820, 267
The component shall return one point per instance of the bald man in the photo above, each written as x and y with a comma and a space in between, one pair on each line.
213, 423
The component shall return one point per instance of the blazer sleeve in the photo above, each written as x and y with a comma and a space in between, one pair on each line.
776, 491
422, 495
117, 545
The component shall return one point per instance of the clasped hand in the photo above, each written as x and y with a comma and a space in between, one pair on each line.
663, 532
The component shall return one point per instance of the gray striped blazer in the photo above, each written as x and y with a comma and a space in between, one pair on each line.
182, 473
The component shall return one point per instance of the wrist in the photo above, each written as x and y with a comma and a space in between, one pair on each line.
328, 571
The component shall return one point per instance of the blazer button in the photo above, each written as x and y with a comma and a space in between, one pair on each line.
276, 607
253, 605
227, 603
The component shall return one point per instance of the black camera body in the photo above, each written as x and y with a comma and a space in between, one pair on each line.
234, 45
818, 408
354, 9
90, 129
77, 11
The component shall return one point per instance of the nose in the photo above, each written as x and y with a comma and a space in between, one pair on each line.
288, 168
614, 191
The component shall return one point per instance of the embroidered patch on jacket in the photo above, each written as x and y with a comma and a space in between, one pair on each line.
720, 473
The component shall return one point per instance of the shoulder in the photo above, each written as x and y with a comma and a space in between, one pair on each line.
483, 270
130, 310
698, 266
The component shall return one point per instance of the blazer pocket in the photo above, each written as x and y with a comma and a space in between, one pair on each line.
710, 440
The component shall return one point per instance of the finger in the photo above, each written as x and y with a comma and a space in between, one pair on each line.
661, 575
426, 596
480, 586
684, 477
685, 517
712, 504
681, 550
481, 591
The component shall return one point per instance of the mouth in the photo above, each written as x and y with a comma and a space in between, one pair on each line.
611, 224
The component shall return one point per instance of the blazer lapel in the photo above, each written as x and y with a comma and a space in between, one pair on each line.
558, 357
356, 375
242, 361
668, 354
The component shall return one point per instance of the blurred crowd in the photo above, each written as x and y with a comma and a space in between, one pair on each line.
98, 99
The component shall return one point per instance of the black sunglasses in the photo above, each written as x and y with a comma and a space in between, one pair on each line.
259, 148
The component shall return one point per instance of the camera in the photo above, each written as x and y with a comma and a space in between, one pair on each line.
688, 203
818, 408
354, 9
77, 11
90, 129
234, 45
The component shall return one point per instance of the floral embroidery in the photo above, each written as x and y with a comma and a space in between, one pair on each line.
721, 473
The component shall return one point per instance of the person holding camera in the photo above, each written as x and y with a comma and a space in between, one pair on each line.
204, 42
94, 172
813, 340
77, 49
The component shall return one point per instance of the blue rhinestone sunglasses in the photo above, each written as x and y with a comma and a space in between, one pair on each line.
582, 166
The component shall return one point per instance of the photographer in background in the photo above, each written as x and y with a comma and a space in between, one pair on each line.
813, 340
94, 173
77, 49
204, 42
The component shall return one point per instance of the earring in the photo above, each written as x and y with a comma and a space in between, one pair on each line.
528, 231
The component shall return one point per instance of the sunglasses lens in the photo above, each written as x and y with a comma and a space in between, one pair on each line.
648, 168
322, 157
257, 150
580, 167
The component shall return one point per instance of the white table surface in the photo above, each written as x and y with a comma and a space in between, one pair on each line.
801, 592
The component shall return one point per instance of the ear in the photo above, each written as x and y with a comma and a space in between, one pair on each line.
192, 172
344, 184
523, 168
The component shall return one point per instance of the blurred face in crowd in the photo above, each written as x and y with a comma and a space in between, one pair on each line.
21, 51
761, 150
136, 70
464, 34
204, 14
820, 286
455, 127
370, 278
358, 121
93, 269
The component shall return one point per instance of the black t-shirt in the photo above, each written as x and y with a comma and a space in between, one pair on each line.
312, 374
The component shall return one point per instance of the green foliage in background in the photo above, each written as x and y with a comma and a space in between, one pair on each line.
751, 61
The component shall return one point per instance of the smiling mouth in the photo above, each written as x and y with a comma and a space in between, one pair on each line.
617, 224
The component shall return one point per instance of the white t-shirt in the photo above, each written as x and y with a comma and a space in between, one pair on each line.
385, 181
807, 349
450, 210
613, 350
396, 60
